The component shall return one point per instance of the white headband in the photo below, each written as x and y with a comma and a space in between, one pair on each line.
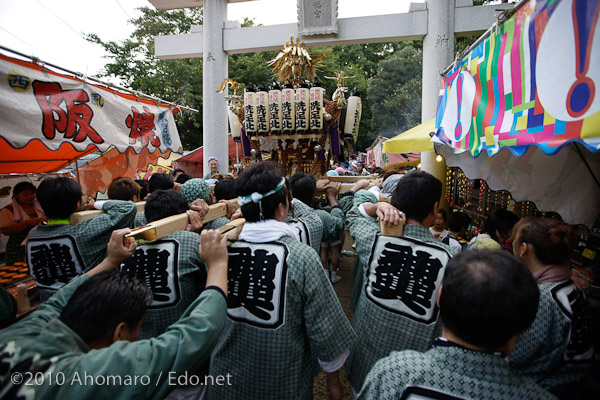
257, 197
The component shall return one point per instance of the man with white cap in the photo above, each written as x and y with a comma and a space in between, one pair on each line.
213, 164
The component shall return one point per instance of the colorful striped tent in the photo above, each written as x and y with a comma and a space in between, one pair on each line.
531, 81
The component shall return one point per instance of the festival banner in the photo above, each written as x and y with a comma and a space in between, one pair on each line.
531, 81
38, 104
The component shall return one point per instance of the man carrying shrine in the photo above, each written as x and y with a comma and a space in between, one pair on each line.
283, 317
487, 298
304, 187
171, 266
57, 251
396, 308
82, 343
303, 218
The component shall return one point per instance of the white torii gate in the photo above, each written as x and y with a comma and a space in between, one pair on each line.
436, 22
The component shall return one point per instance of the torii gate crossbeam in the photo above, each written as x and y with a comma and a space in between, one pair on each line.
436, 22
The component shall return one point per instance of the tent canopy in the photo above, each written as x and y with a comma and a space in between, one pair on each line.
527, 83
525, 95
414, 140
192, 163
376, 157
560, 182
49, 119
37, 158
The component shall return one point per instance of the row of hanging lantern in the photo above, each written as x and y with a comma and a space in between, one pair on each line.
299, 110
295, 107
292, 119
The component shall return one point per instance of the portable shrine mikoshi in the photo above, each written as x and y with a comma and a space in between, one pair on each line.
292, 120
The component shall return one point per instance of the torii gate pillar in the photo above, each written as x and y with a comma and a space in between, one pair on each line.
438, 53
214, 65
435, 21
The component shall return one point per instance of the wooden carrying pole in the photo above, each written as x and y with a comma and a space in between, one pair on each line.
159, 229
83, 215
388, 230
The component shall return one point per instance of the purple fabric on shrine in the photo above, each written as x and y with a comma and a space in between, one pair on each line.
245, 143
335, 139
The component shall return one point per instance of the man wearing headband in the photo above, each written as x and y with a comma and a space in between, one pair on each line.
213, 164
284, 318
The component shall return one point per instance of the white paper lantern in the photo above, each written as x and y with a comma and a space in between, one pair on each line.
250, 112
316, 109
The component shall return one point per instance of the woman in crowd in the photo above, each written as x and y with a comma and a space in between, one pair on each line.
556, 351
17, 219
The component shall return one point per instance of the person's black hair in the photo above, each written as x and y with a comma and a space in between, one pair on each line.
175, 171
502, 221
303, 187
183, 178
443, 212
160, 181
379, 171
261, 178
143, 188
58, 196
23, 186
487, 297
164, 203
416, 194
224, 189
123, 188
458, 220
103, 302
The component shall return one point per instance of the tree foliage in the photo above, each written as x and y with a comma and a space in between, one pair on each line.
133, 62
179, 81
395, 93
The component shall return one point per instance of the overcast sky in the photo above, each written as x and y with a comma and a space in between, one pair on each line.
52, 29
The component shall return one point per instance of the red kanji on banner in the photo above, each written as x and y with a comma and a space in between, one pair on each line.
65, 111
142, 127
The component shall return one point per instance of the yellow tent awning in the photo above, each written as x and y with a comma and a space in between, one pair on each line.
413, 140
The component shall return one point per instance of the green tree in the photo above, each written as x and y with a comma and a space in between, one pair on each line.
395, 93
179, 81
361, 61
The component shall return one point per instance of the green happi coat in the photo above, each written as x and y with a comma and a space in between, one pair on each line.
87, 241
176, 274
333, 223
306, 215
379, 330
44, 346
447, 371
347, 203
557, 349
277, 359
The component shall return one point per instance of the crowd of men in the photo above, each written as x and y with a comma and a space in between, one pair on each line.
188, 316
